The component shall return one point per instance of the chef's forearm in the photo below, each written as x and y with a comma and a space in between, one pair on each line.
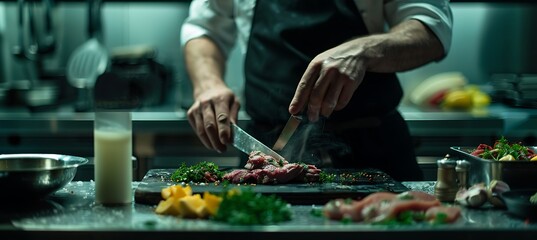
205, 64
408, 45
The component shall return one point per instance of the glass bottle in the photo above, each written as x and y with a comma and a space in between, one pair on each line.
113, 157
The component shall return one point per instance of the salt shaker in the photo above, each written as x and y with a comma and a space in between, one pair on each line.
446, 186
462, 169
113, 157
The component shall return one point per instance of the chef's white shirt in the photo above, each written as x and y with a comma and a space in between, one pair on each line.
226, 21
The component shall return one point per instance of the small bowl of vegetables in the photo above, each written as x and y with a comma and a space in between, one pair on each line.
511, 162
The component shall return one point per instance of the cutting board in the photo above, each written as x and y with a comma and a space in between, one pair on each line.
148, 191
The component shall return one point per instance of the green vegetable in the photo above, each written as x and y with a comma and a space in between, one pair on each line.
533, 199
316, 212
245, 207
197, 173
327, 177
404, 218
440, 218
502, 148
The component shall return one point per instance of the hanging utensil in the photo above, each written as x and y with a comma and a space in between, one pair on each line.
36, 46
89, 60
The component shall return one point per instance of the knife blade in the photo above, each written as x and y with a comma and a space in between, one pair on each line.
246, 143
287, 132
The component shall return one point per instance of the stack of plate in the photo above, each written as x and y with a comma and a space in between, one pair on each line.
515, 90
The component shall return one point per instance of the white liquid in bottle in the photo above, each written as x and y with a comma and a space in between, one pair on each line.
113, 166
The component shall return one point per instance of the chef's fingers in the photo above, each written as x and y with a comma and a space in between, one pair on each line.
351, 84
331, 98
209, 123
234, 111
318, 93
196, 122
222, 111
303, 89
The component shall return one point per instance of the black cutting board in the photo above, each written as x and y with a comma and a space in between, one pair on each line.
364, 183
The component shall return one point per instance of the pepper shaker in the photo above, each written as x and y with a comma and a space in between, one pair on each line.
446, 186
462, 170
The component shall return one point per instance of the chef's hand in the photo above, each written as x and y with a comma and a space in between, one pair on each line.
211, 115
329, 82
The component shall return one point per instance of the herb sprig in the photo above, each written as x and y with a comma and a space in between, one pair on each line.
502, 148
200, 172
246, 207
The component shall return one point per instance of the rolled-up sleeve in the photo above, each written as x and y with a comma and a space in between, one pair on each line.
213, 19
435, 14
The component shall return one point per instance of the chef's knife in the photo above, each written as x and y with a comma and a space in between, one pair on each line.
287, 132
246, 143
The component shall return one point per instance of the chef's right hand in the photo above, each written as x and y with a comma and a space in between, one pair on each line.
211, 115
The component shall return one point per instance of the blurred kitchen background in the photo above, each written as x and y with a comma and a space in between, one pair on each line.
491, 40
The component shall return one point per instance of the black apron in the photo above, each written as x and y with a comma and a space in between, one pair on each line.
285, 36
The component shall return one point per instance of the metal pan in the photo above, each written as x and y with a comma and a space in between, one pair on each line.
34, 176
518, 174
518, 203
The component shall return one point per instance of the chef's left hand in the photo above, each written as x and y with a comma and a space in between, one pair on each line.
329, 82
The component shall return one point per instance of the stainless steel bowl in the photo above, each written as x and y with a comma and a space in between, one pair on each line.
518, 174
34, 176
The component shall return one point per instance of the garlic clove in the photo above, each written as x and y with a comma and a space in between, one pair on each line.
495, 188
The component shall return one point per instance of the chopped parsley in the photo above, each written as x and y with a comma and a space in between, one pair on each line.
201, 172
246, 207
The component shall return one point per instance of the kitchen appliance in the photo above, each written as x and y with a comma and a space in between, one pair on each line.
34, 176
518, 174
247, 144
517, 90
148, 80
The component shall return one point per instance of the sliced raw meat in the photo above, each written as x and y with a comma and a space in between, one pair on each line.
452, 213
264, 169
390, 210
385, 206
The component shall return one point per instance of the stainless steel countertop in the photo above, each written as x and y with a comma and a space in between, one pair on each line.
71, 213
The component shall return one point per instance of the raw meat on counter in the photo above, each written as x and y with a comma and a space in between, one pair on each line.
264, 169
383, 207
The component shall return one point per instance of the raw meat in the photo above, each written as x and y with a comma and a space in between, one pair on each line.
264, 169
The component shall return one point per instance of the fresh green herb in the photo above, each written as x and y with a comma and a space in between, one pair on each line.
327, 177
502, 148
201, 172
316, 212
404, 218
533, 199
150, 224
245, 207
351, 178
440, 218
346, 220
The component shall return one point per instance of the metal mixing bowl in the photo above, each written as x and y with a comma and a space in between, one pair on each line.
34, 176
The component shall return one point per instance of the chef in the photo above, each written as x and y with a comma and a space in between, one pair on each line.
330, 61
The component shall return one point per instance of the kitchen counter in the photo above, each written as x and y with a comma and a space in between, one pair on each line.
71, 213
163, 137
